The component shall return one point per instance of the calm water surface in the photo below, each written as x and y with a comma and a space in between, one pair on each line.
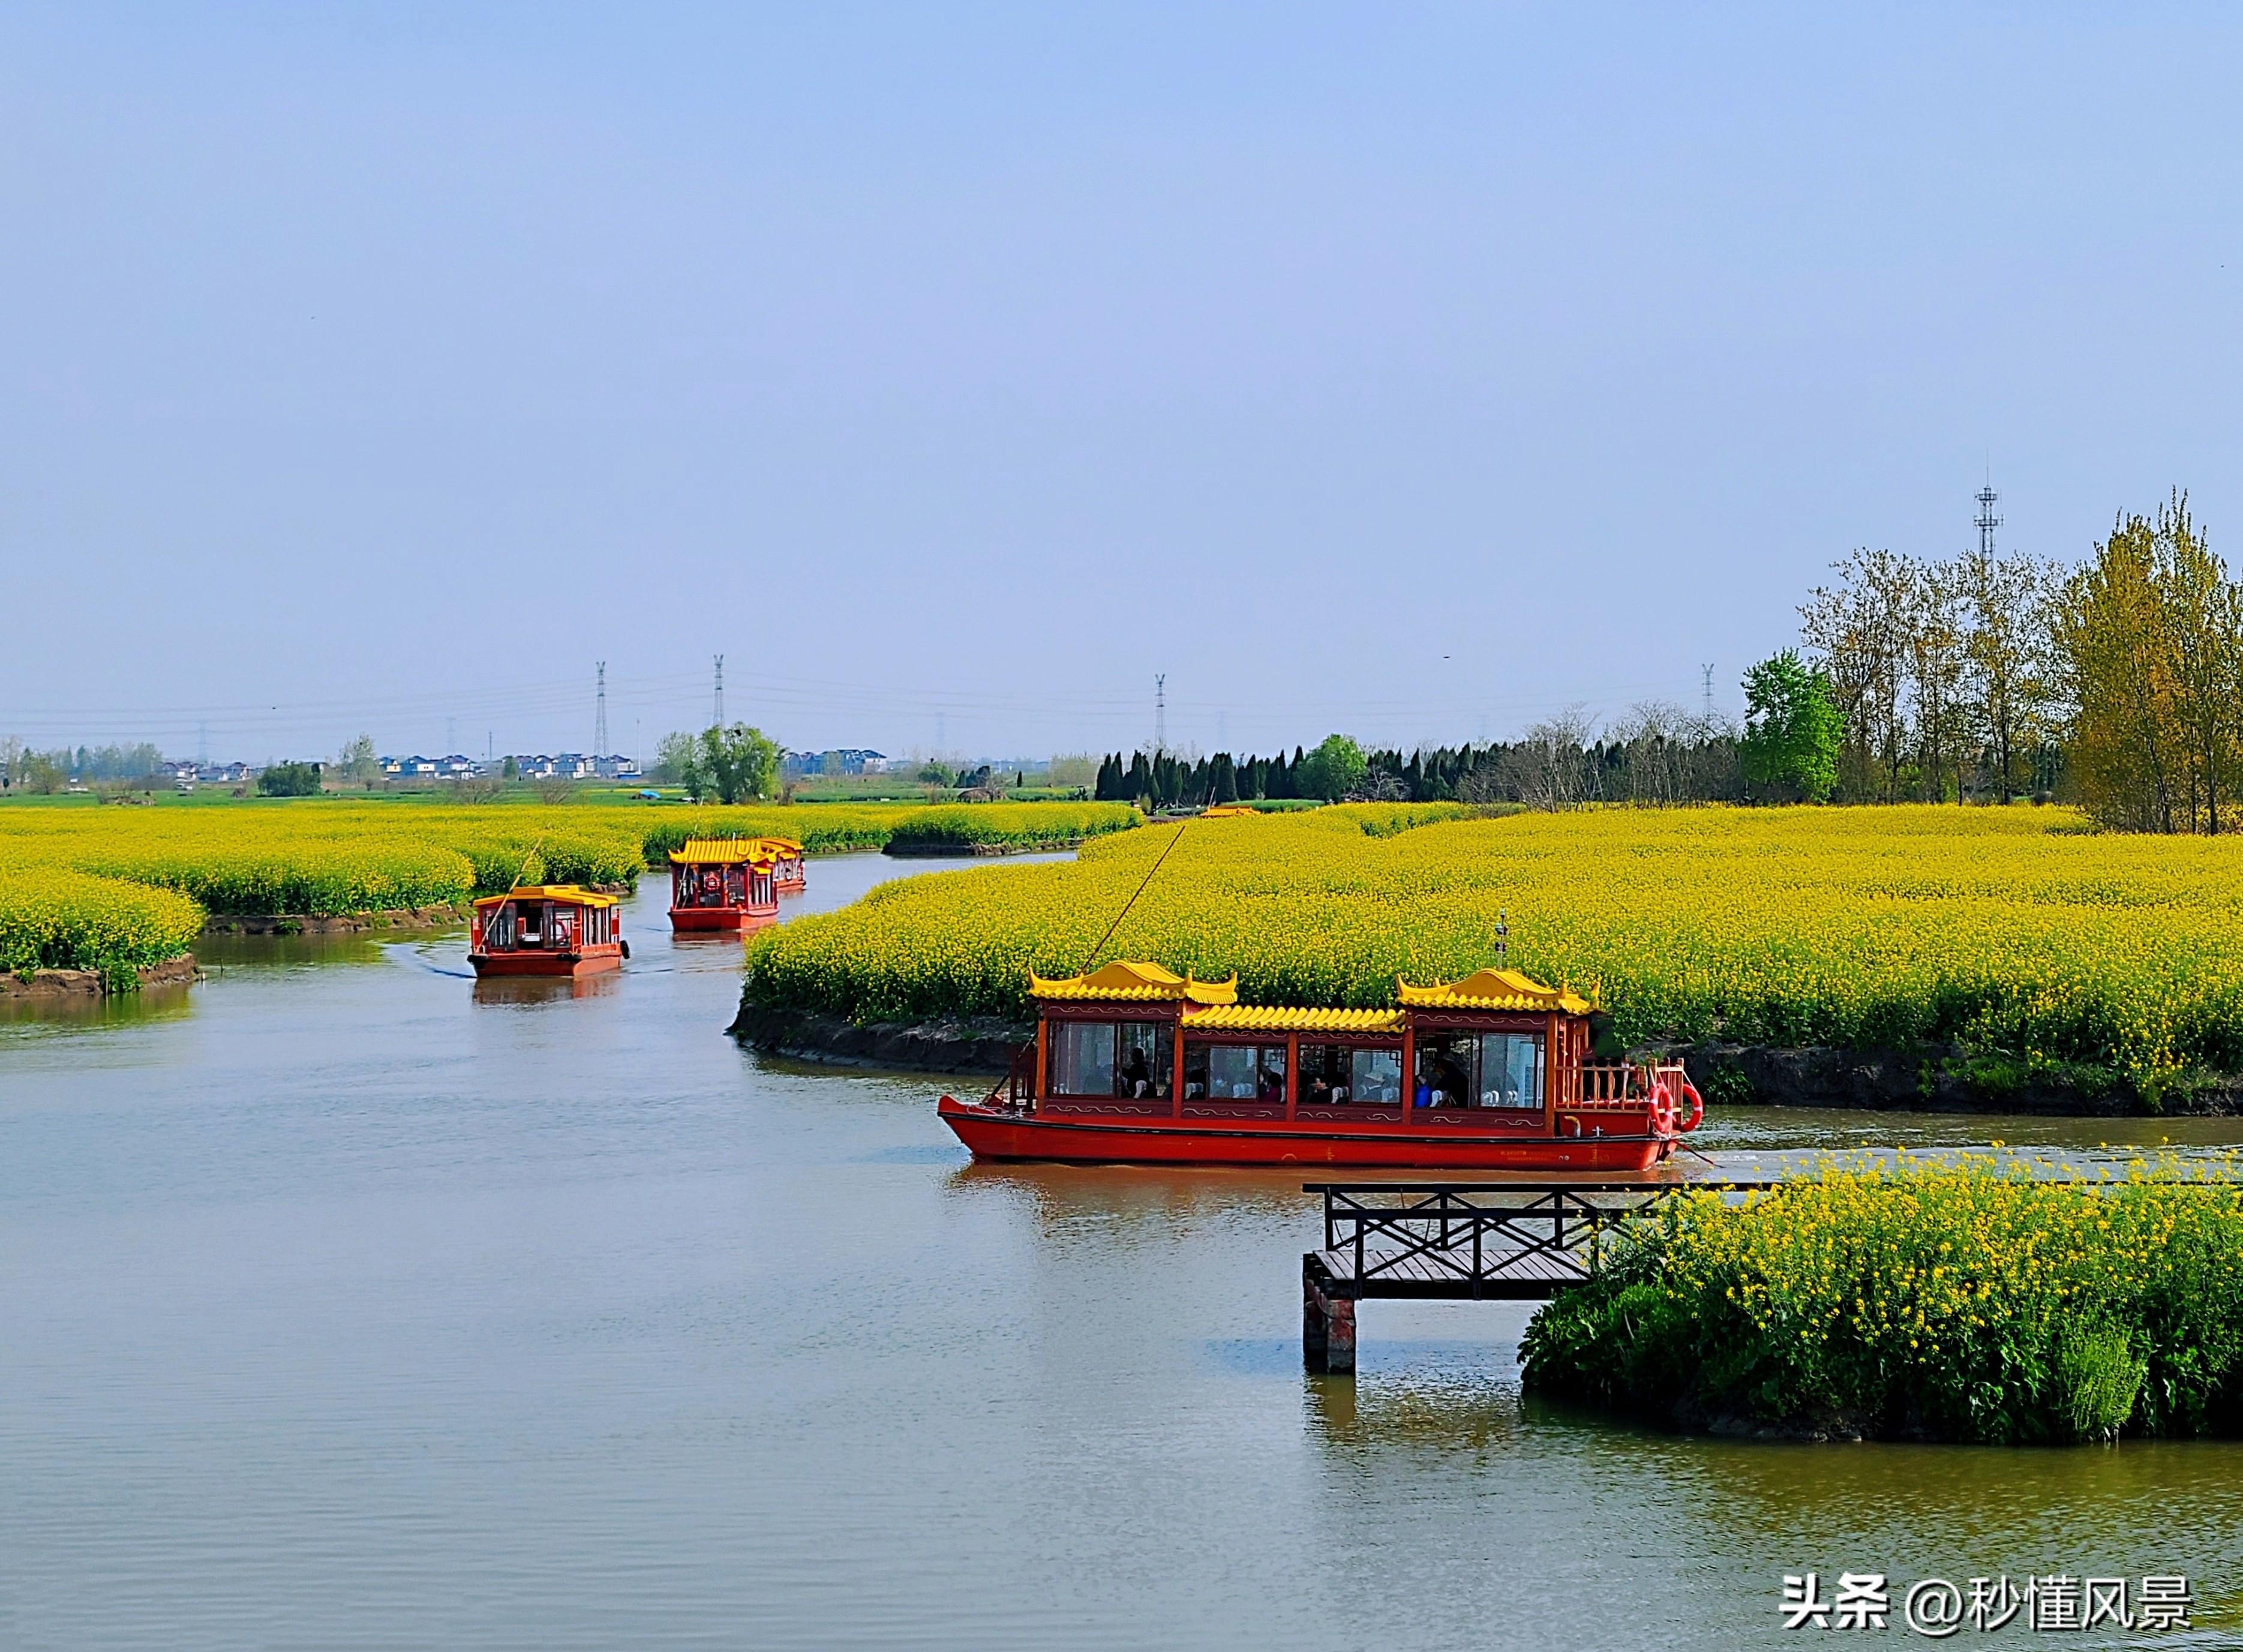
342, 1307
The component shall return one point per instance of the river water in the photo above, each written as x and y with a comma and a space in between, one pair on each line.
344, 1307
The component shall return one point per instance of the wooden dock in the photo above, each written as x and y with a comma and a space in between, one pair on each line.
1510, 1241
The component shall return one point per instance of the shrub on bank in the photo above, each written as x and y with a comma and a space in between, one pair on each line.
1918, 1301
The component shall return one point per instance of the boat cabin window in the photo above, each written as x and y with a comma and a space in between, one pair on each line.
1481, 1069
532, 922
1130, 1058
1146, 1053
1233, 1072
1335, 1073
498, 929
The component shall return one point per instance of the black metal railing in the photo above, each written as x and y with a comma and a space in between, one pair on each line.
1470, 1235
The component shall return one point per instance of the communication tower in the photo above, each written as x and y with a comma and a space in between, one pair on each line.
600, 715
1706, 675
1160, 713
718, 720
1987, 520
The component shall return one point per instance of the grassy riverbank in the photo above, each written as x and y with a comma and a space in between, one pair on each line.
2010, 934
116, 888
1921, 1302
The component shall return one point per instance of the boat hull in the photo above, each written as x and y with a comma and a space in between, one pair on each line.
705, 921
560, 966
989, 1134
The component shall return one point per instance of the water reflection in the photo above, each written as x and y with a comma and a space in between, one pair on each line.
547, 989
220, 952
1070, 1202
1426, 1405
150, 1004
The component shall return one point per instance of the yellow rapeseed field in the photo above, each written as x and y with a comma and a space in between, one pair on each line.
2011, 929
1983, 1300
77, 884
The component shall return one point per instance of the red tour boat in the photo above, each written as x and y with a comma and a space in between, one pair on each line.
1133, 1064
725, 883
547, 929
787, 874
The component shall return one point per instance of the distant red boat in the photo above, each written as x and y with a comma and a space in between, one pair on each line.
1133, 1064
787, 874
730, 883
547, 929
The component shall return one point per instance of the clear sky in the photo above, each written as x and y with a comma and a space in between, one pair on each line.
1412, 371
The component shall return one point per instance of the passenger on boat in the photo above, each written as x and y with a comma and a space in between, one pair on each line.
1443, 1083
1136, 1077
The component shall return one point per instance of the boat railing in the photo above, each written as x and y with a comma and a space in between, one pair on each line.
1620, 1086
1016, 1091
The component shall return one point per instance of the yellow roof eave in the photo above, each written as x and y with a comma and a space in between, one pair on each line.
1496, 989
567, 893
1279, 1018
1134, 982
726, 852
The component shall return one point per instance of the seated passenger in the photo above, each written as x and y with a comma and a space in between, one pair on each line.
1136, 1077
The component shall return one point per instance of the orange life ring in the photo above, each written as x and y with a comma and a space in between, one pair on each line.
1662, 1109
1697, 1105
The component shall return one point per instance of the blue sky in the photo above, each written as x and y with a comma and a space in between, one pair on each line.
953, 370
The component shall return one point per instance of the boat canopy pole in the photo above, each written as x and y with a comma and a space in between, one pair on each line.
535, 847
1085, 967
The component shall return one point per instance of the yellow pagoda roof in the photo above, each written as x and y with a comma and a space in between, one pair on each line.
567, 893
1227, 812
1275, 1018
779, 846
721, 851
1493, 989
1135, 980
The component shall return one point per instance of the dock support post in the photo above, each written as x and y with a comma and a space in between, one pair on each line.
1327, 1323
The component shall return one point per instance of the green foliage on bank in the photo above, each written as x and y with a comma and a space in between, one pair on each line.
1970, 1304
